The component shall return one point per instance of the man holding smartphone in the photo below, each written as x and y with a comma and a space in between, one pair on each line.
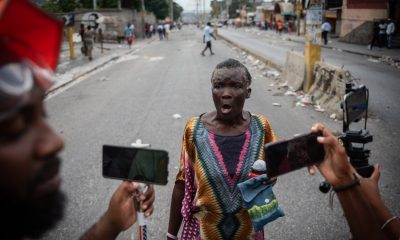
31, 201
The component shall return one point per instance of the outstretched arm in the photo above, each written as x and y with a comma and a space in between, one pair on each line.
337, 170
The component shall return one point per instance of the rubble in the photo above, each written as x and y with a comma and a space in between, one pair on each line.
139, 144
318, 108
299, 104
176, 116
290, 93
390, 61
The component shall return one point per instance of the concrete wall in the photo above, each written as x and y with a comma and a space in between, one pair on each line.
353, 19
114, 28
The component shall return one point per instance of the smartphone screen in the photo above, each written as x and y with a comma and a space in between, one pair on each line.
289, 155
356, 105
135, 164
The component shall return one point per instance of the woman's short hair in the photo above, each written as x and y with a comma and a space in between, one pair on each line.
232, 63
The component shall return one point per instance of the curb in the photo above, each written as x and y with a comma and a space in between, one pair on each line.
265, 60
350, 51
100, 65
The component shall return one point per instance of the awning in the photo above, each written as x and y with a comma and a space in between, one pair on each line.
268, 6
284, 8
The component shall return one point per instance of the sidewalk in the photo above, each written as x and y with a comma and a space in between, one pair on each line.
333, 43
69, 70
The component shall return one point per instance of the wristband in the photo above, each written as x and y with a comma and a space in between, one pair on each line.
355, 182
388, 221
172, 236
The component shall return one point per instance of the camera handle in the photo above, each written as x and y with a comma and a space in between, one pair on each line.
141, 220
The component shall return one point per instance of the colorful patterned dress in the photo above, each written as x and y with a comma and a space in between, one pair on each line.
211, 169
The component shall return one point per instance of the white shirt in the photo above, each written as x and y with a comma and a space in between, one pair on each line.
326, 27
390, 28
207, 33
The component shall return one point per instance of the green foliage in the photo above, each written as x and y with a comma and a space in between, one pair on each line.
51, 6
237, 5
107, 4
59, 6
214, 9
177, 11
160, 8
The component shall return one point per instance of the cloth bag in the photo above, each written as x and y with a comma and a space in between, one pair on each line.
260, 201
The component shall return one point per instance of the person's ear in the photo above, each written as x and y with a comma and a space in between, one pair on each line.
248, 93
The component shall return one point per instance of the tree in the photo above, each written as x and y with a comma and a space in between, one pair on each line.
214, 9
177, 11
51, 6
58, 6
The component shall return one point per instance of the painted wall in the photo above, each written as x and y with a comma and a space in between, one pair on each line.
354, 18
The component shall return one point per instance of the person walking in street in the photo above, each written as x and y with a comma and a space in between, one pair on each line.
89, 41
207, 34
129, 34
218, 150
167, 30
326, 28
382, 34
389, 33
151, 29
280, 27
82, 35
160, 30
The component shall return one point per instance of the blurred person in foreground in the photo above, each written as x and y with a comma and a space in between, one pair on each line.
31, 201
365, 211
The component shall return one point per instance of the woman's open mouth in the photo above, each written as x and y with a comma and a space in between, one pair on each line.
226, 108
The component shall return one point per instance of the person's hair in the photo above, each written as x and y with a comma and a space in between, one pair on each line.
209, 24
230, 64
89, 27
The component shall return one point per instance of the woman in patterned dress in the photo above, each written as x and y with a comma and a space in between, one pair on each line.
218, 150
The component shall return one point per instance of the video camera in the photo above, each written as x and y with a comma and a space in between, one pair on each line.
355, 108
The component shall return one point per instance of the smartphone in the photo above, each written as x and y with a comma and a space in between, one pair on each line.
355, 105
135, 164
288, 155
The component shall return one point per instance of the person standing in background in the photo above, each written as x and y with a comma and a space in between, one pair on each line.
389, 33
326, 28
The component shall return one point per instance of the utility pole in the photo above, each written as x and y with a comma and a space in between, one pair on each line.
171, 9
197, 10
299, 9
204, 11
94, 4
312, 51
142, 18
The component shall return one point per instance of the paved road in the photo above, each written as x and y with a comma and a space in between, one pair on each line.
136, 98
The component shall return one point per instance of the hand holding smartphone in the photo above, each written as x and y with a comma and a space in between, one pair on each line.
135, 164
288, 155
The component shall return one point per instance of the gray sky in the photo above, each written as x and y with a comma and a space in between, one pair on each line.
189, 5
